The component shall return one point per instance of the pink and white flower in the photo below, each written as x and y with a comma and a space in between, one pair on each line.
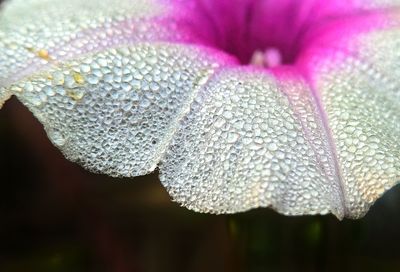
240, 103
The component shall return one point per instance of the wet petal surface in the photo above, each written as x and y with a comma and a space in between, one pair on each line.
122, 86
250, 141
116, 111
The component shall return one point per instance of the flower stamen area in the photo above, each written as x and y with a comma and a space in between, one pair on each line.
269, 58
260, 32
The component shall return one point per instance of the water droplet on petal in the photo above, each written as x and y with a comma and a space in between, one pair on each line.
56, 137
145, 103
232, 138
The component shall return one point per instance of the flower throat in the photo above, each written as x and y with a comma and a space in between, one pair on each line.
260, 32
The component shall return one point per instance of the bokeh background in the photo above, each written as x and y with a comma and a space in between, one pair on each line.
55, 216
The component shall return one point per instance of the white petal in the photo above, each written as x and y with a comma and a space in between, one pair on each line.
36, 33
115, 111
360, 95
250, 142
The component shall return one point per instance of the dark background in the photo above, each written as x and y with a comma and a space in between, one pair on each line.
55, 216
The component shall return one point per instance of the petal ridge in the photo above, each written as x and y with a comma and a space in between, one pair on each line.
115, 111
241, 146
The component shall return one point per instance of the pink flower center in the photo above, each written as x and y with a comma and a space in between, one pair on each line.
261, 32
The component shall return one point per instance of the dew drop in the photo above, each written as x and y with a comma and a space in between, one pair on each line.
145, 103
49, 91
92, 79
272, 147
232, 138
219, 122
56, 137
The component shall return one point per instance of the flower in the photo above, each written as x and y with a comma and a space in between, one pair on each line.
240, 103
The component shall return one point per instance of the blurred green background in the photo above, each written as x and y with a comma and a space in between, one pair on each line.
55, 216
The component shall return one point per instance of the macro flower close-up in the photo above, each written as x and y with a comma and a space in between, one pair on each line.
241, 104
235, 104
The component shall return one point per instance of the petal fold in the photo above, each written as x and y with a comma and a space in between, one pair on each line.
356, 79
252, 140
115, 111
